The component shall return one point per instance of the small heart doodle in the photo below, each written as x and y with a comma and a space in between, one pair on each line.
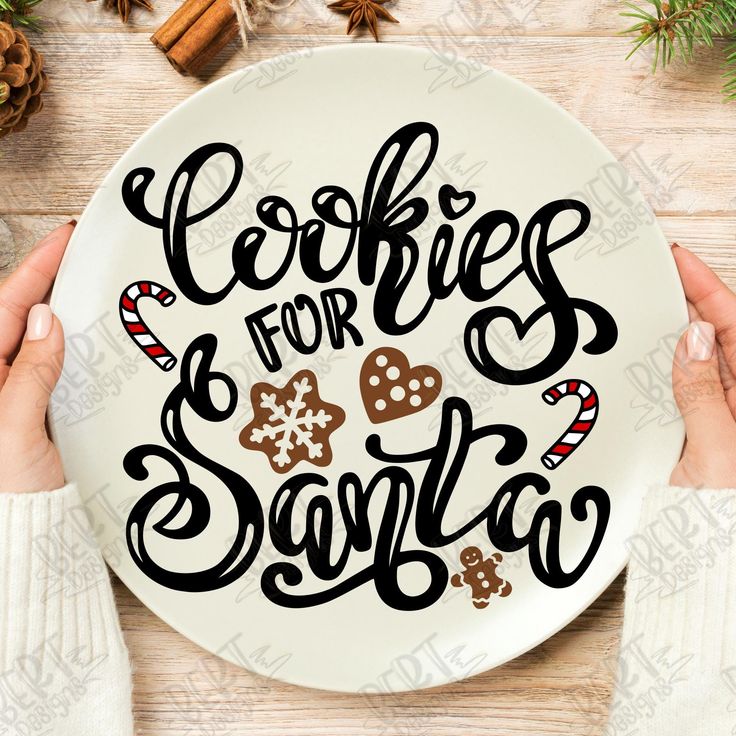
582, 424
137, 329
455, 204
392, 389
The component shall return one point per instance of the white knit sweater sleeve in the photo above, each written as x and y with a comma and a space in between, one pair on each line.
64, 668
677, 662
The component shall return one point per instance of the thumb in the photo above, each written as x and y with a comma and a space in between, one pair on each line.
696, 381
25, 395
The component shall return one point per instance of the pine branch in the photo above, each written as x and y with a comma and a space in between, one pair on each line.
19, 13
678, 27
729, 85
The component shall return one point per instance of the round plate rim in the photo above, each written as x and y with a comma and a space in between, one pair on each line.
341, 48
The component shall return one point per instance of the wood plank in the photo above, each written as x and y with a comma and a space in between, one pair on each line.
561, 687
94, 112
492, 17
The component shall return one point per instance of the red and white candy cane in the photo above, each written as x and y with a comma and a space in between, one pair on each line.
580, 428
138, 329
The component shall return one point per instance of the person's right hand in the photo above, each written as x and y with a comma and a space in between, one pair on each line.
704, 378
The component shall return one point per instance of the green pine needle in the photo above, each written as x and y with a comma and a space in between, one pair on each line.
729, 76
677, 28
19, 12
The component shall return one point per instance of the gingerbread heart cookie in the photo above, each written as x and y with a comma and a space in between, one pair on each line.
392, 389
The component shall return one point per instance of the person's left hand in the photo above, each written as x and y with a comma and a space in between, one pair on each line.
31, 356
704, 378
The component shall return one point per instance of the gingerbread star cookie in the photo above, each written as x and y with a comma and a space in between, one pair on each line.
291, 423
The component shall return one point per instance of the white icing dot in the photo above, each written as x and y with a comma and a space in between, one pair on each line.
393, 373
481, 575
415, 400
397, 393
380, 404
429, 381
486, 584
414, 384
381, 360
374, 380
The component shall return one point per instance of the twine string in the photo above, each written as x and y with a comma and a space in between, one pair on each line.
249, 13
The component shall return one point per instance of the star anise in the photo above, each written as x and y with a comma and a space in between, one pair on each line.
123, 6
366, 12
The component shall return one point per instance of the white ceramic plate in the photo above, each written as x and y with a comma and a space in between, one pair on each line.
380, 222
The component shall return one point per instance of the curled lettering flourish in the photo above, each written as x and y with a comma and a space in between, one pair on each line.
194, 391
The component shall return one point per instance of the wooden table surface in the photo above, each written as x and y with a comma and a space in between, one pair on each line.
677, 139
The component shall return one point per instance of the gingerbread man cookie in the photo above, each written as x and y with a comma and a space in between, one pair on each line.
480, 576
392, 389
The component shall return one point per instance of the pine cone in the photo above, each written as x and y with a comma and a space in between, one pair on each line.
22, 80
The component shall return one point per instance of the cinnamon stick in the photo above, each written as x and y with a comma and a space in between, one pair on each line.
205, 38
181, 20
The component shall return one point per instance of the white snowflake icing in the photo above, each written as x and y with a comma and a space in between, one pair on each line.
290, 424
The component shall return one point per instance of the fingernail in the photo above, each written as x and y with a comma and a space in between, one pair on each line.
72, 222
674, 245
701, 338
39, 322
